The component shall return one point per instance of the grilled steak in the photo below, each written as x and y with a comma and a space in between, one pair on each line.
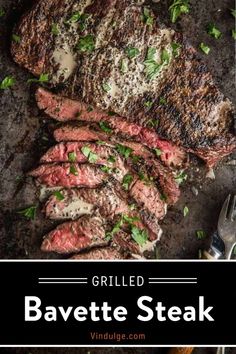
63, 109
69, 133
77, 202
87, 57
108, 253
69, 175
74, 236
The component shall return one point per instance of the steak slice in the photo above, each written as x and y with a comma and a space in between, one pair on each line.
82, 133
77, 202
64, 109
75, 236
69, 175
196, 115
106, 253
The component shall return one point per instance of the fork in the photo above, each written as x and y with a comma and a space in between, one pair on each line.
227, 225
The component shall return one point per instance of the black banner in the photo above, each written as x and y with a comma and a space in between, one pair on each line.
118, 303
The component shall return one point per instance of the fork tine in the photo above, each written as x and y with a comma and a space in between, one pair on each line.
232, 208
224, 210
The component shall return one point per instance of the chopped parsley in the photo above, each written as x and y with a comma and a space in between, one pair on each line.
55, 29
9, 81
58, 195
213, 31
16, 38
127, 180
132, 52
42, 78
145, 178
29, 213
233, 32
185, 210
105, 127
200, 234
153, 123
124, 150
123, 66
181, 177
111, 159
72, 156
89, 109
2, 12
106, 87
139, 236
111, 113
86, 43
177, 8
79, 18
147, 18
148, 104
73, 170
205, 48
106, 169
152, 67
163, 197
132, 206
162, 101
233, 12
92, 157
158, 152
175, 49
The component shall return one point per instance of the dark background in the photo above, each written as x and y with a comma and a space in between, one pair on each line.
23, 131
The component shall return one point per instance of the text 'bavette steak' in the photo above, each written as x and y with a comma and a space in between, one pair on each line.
195, 115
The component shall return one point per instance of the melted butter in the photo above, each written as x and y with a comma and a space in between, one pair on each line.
63, 57
74, 209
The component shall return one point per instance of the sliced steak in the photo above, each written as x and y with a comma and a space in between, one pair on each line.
82, 133
56, 106
77, 202
75, 236
164, 177
106, 253
196, 115
69, 175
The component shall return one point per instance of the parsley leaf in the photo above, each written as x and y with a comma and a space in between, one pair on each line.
139, 236
111, 159
2, 12
200, 234
205, 48
58, 195
92, 157
106, 87
181, 177
152, 67
16, 38
185, 210
175, 49
86, 43
106, 169
158, 152
132, 52
79, 18
127, 180
233, 12
148, 104
162, 101
7, 82
105, 127
42, 78
29, 213
233, 32
73, 170
124, 150
55, 29
177, 8
147, 18
213, 31
72, 156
